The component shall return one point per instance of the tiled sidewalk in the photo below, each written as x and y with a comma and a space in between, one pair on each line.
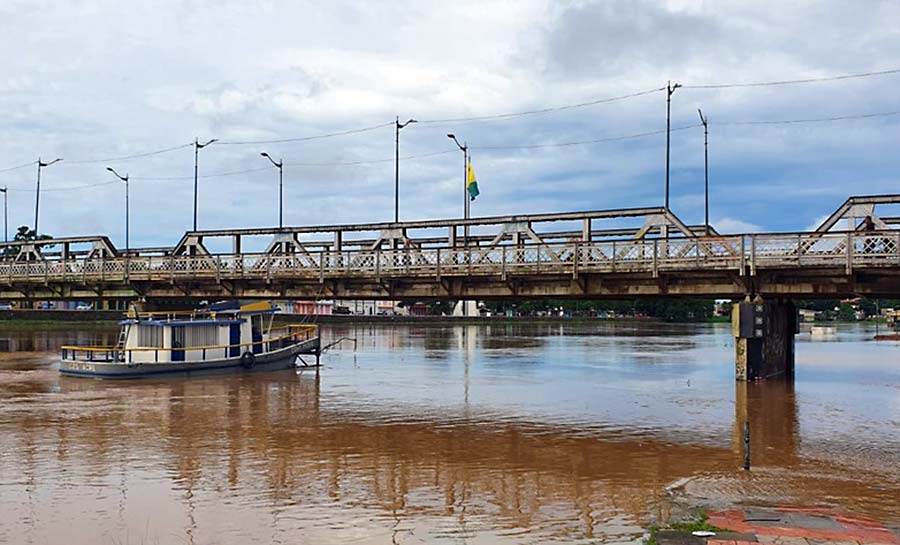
790, 526
787, 526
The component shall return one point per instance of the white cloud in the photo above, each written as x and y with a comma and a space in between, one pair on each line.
728, 226
818, 221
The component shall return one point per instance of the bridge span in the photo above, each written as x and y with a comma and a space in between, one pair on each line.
562, 255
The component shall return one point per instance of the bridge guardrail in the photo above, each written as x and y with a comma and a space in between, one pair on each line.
740, 252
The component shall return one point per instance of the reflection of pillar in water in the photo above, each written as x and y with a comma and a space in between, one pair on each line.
771, 409
470, 342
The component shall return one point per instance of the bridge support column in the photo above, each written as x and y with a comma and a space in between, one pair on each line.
764, 340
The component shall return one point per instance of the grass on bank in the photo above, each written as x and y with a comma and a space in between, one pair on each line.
699, 523
18, 325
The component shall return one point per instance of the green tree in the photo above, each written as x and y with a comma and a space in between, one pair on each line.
846, 313
25, 234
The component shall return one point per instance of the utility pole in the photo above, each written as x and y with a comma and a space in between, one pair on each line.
398, 126
669, 90
705, 169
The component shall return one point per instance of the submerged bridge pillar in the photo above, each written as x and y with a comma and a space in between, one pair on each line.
764, 339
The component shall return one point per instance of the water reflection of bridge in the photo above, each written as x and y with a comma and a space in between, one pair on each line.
278, 437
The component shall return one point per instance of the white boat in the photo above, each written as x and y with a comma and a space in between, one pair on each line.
221, 337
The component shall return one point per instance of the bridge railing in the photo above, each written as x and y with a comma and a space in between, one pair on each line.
739, 253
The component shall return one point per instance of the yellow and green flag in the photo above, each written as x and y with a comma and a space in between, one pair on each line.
471, 182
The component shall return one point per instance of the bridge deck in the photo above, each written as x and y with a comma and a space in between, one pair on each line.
797, 264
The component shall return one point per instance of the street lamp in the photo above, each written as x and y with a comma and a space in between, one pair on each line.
37, 194
705, 168
398, 126
5, 222
465, 149
280, 166
197, 147
669, 90
124, 179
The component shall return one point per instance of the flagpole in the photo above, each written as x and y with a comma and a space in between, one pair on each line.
465, 309
466, 192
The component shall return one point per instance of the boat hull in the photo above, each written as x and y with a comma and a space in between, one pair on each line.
283, 358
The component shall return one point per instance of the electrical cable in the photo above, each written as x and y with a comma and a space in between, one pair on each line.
542, 110
792, 81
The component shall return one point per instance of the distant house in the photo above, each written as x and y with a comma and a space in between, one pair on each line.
307, 308
807, 315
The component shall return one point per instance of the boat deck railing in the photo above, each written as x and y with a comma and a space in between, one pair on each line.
279, 338
168, 315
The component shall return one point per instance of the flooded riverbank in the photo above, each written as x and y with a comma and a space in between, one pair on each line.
509, 433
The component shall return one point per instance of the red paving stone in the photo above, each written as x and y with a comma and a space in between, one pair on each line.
853, 527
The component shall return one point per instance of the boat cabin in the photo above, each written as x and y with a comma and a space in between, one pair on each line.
223, 330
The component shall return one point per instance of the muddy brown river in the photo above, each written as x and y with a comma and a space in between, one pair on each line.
522, 433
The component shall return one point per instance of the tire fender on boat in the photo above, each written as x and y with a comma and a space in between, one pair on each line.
248, 360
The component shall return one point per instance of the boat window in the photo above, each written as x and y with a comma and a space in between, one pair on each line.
150, 336
202, 335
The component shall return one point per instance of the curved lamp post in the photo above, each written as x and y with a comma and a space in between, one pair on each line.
398, 126
280, 166
124, 179
37, 194
197, 147
705, 122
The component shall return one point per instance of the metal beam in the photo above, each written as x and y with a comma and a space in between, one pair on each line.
428, 224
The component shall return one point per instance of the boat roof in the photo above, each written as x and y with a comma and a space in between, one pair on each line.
222, 313
181, 322
234, 307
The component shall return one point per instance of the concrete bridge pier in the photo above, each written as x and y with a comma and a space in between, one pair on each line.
764, 339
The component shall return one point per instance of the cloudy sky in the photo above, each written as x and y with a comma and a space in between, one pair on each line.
95, 80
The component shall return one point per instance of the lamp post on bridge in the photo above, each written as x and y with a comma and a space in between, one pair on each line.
704, 120
124, 179
37, 194
464, 147
398, 126
280, 166
670, 89
197, 147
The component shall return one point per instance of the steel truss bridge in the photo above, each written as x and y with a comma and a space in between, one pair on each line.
564, 255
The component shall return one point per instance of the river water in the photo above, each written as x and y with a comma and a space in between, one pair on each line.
522, 433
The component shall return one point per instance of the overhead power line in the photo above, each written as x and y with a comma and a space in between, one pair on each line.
7, 169
501, 116
809, 120
317, 164
191, 177
135, 156
793, 81
542, 110
304, 138
582, 142
371, 161
64, 188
